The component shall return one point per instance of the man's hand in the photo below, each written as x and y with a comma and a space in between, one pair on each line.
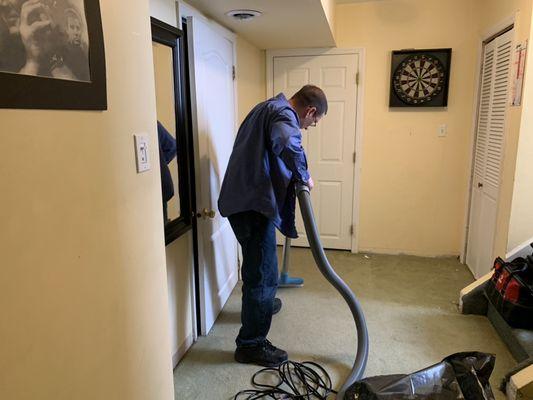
310, 183
34, 19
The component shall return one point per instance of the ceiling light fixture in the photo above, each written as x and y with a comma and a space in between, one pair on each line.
243, 15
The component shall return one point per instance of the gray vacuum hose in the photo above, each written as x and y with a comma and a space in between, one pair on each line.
304, 199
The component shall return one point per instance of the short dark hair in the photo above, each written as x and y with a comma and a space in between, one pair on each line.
312, 96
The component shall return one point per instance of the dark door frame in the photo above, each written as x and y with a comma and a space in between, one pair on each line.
186, 59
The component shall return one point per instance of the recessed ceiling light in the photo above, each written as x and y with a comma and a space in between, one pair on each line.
243, 15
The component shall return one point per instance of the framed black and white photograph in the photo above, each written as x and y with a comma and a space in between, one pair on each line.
52, 55
420, 78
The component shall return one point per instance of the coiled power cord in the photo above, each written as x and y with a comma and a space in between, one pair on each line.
304, 381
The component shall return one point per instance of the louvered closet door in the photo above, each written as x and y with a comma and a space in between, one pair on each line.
488, 153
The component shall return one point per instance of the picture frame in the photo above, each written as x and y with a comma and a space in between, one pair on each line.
420, 78
69, 73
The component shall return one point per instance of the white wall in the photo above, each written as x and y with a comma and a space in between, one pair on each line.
164, 10
180, 294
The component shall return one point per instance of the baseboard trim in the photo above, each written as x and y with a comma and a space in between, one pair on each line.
185, 346
405, 252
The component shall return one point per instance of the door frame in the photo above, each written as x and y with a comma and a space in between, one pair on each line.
187, 16
195, 284
491, 33
360, 52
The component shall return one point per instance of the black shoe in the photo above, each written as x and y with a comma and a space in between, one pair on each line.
265, 355
276, 306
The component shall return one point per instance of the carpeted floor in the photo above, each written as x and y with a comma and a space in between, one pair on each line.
410, 305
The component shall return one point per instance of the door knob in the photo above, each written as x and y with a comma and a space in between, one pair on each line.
479, 185
205, 214
208, 213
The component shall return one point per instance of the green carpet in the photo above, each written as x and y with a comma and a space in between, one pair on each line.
410, 304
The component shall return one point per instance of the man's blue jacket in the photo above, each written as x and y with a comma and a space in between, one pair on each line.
167, 152
267, 160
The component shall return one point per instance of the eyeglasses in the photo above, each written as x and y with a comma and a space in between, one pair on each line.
314, 123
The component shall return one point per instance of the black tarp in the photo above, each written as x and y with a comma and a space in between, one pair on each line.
459, 376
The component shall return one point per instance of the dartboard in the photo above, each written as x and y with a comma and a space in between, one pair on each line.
419, 79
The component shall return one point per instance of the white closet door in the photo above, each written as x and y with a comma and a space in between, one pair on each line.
488, 153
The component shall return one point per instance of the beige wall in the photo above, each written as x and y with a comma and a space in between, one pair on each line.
413, 183
521, 224
492, 13
83, 290
251, 84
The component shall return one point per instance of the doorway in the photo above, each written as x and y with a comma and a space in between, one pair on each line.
332, 147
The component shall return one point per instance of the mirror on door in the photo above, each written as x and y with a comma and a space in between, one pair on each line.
174, 133
166, 130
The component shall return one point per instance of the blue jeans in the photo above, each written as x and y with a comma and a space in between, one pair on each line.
257, 237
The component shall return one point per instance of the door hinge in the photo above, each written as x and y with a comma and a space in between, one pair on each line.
351, 229
233, 72
357, 78
354, 157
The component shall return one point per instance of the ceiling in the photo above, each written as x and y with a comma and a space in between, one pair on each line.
283, 24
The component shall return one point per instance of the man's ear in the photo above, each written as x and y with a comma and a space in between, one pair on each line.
311, 111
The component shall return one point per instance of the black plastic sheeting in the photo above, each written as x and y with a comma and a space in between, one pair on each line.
459, 376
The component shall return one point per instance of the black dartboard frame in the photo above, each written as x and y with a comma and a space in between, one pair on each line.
420, 78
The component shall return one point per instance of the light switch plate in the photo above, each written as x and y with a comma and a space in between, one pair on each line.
442, 131
142, 153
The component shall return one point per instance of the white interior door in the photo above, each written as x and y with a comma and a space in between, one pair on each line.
488, 153
330, 146
214, 127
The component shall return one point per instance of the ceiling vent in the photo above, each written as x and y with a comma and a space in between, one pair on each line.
243, 15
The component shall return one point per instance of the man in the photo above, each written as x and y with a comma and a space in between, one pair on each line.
258, 195
167, 152
75, 53
73, 27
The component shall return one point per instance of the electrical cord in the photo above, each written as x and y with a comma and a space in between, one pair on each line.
303, 381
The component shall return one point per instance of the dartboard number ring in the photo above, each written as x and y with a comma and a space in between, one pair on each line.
418, 79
